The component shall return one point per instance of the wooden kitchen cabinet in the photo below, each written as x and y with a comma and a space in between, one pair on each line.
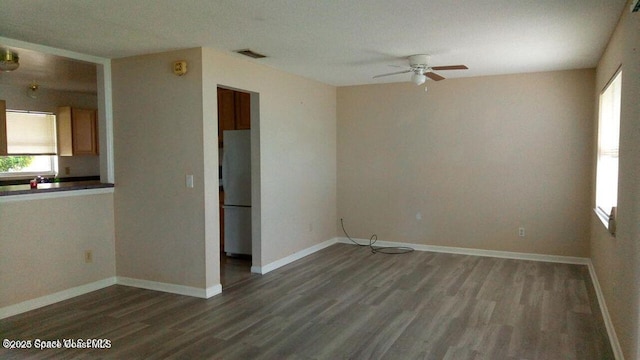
234, 111
226, 112
3, 128
77, 131
243, 110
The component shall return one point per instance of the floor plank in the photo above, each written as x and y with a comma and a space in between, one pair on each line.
342, 302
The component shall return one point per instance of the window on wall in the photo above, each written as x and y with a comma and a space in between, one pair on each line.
608, 148
31, 144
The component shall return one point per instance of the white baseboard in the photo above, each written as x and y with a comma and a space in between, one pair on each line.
213, 291
170, 288
42, 301
479, 252
611, 331
293, 257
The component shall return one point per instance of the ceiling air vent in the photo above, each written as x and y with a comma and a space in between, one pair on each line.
251, 54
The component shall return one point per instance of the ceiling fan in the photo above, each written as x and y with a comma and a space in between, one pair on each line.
419, 66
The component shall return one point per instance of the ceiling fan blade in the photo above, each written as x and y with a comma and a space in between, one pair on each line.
393, 73
433, 76
450, 67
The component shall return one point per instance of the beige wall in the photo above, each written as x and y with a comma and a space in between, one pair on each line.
158, 141
165, 127
43, 244
297, 152
617, 259
470, 161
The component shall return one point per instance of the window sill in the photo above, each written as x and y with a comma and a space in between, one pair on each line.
604, 218
4, 177
50, 190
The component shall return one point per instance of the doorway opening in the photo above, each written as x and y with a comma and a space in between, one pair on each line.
236, 112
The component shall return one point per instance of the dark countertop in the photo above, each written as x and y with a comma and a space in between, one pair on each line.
52, 187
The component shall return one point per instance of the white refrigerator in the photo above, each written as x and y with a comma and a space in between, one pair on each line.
236, 184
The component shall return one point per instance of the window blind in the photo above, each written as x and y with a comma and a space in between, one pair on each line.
608, 146
31, 133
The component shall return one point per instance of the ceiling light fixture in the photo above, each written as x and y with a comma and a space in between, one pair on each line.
9, 61
32, 90
418, 78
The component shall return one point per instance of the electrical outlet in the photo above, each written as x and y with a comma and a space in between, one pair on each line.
88, 256
521, 232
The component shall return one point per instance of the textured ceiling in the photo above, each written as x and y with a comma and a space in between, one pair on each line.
338, 42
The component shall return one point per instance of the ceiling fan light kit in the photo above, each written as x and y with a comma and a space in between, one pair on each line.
418, 78
419, 66
9, 61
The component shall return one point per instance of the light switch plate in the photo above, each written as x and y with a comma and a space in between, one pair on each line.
190, 181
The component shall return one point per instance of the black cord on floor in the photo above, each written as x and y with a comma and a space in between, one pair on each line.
389, 250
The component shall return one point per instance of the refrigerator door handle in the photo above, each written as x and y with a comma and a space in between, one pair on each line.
224, 171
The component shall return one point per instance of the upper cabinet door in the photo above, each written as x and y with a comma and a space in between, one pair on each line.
226, 112
226, 109
77, 131
3, 128
85, 139
234, 111
243, 110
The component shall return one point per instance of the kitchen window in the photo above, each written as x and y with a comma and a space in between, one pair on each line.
30, 144
608, 149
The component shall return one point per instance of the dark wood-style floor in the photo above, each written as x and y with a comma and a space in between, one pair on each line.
342, 303
234, 269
